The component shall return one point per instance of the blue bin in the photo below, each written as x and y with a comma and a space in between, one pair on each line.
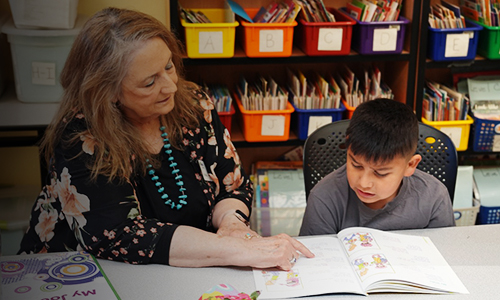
301, 118
437, 42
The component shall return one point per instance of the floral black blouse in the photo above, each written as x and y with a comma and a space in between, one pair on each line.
129, 221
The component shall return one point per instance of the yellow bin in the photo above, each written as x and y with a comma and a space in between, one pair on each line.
457, 130
211, 40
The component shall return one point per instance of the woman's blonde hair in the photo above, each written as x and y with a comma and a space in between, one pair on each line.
92, 78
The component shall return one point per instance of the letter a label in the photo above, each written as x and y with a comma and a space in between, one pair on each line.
210, 42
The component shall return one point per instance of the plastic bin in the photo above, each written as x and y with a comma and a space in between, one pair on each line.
458, 131
265, 125
266, 39
489, 41
210, 40
38, 57
326, 38
226, 117
379, 37
304, 121
453, 43
268, 221
486, 135
487, 180
3, 48
54, 14
467, 216
16, 202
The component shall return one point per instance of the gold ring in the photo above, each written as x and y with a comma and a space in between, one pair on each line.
248, 236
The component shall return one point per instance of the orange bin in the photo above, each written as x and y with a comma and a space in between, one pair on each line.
265, 125
266, 39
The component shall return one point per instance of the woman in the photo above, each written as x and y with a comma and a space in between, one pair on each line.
141, 168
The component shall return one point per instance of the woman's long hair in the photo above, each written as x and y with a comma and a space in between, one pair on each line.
92, 78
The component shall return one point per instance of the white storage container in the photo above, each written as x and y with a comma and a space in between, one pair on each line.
38, 57
16, 203
3, 45
54, 14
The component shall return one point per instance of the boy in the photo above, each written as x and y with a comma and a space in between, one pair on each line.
379, 186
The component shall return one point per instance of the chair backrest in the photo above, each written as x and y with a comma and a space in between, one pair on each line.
325, 151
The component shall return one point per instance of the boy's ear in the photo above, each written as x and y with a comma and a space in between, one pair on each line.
412, 164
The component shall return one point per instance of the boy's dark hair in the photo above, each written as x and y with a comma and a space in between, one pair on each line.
381, 129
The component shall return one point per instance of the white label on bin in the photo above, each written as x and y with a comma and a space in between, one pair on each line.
316, 122
455, 134
43, 73
273, 125
496, 143
385, 39
457, 45
330, 39
210, 42
271, 40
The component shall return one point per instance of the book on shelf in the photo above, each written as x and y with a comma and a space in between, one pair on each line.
59, 275
360, 260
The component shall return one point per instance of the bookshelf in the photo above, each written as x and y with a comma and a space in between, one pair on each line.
398, 71
442, 72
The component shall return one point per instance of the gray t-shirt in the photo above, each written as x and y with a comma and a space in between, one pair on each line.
422, 202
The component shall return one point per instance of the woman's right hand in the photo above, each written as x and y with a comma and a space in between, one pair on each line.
279, 251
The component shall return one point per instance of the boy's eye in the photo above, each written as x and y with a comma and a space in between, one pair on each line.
356, 166
381, 175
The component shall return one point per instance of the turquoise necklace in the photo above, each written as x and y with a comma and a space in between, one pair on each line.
164, 196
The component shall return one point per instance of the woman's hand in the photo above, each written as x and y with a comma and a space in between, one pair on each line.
281, 251
230, 222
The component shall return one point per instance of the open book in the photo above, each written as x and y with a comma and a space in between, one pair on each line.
362, 260
59, 275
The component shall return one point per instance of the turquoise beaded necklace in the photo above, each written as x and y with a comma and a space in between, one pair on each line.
164, 196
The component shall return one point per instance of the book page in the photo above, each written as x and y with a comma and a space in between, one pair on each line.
387, 262
328, 272
61, 275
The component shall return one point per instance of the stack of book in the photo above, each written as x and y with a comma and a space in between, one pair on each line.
355, 91
283, 12
446, 15
313, 93
220, 96
315, 11
191, 16
486, 12
374, 10
442, 103
264, 94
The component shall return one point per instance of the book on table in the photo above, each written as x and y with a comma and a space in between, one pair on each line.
361, 260
58, 275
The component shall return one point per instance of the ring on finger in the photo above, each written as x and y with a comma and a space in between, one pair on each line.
293, 260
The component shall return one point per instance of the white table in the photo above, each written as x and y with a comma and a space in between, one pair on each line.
472, 251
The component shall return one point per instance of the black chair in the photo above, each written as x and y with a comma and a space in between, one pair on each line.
325, 151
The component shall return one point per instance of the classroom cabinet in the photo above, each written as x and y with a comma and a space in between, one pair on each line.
398, 70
